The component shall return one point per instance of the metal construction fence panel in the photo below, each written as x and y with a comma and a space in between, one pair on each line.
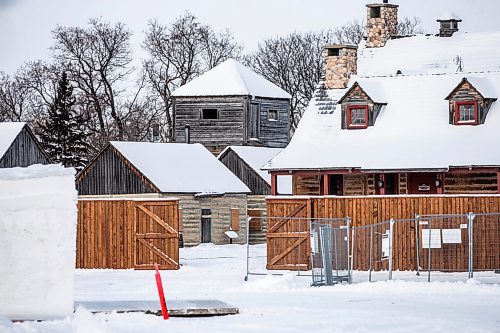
425, 247
330, 248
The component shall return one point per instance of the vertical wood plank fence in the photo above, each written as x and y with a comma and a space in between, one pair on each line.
123, 234
282, 252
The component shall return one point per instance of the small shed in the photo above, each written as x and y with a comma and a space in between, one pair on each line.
231, 105
212, 200
19, 147
245, 162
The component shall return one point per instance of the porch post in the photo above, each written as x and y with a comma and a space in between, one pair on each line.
274, 184
382, 189
498, 182
440, 177
326, 184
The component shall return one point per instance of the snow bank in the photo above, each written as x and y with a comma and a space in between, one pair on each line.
38, 217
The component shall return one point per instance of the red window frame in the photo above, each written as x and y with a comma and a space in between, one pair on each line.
348, 118
457, 113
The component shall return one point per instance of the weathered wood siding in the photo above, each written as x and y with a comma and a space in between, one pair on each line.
472, 183
273, 133
245, 173
370, 210
233, 124
108, 234
24, 151
358, 97
111, 173
220, 217
215, 134
306, 185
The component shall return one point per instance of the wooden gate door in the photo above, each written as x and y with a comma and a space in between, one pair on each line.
288, 234
157, 237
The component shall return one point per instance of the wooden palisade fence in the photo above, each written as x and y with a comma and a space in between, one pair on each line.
124, 234
288, 243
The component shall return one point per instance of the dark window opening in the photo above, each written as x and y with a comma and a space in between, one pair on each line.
209, 114
206, 211
335, 185
375, 12
206, 229
391, 183
272, 114
333, 52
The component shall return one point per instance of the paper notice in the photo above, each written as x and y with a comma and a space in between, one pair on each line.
452, 236
435, 238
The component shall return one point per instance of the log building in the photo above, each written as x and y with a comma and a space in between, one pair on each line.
231, 105
212, 200
400, 115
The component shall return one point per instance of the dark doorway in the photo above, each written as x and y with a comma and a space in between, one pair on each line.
422, 183
253, 124
206, 225
336, 184
391, 183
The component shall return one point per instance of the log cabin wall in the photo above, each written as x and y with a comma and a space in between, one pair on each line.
306, 185
273, 132
24, 151
111, 173
256, 205
245, 173
215, 134
220, 216
470, 183
355, 184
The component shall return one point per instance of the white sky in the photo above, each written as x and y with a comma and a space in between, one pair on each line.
25, 25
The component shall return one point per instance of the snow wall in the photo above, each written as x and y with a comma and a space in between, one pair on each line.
38, 217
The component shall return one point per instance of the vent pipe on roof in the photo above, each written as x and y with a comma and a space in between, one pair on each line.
187, 133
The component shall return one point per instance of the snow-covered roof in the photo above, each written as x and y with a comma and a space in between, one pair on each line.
449, 16
411, 132
231, 78
181, 168
256, 158
8, 133
419, 55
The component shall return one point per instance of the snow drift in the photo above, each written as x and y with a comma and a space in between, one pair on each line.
38, 217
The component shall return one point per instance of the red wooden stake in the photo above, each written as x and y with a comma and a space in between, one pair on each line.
163, 303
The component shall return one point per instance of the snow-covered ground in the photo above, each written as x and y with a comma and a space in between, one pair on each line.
282, 303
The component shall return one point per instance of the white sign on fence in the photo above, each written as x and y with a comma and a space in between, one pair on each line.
385, 244
452, 236
435, 238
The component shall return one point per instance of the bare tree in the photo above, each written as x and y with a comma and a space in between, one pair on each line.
178, 53
99, 62
350, 33
13, 99
294, 63
410, 26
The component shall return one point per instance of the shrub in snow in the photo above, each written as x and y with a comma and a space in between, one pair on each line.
38, 217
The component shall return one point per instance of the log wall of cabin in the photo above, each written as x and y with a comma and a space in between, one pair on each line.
355, 184
470, 183
245, 173
220, 218
110, 173
258, 203
273, 133
215, 134
467, 93
403, 183
306, 185
24, 151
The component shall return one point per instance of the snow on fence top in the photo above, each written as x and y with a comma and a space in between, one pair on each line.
8, 133
411, 132
181, 168
256, 158
231, 78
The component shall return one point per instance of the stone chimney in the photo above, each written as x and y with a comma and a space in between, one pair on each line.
340, 64
448, 24
381, 23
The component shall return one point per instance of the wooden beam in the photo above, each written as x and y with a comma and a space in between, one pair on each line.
274, 183
440, 177
326, 185
498, 182
381, 189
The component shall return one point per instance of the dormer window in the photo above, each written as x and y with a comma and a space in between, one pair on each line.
357, 116
466, 113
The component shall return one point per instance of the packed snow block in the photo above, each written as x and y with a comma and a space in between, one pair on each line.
38, 217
